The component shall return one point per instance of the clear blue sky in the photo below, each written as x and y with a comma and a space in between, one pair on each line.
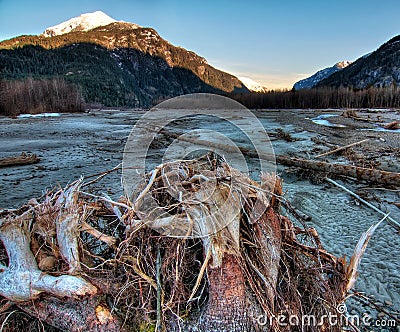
274, 42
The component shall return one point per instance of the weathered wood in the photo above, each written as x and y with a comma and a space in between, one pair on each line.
370, 175
360, 173
23, 159
341, 148
22, 280
393, 222
84, 314
352, 268
253, 266
392, 125
68, 302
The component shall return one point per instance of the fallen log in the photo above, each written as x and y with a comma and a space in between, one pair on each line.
23, 159
370, 175
394, 125
360, 173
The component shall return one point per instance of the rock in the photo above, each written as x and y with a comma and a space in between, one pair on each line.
381, 314
389, 303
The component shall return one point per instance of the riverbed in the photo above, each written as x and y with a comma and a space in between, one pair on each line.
74, 145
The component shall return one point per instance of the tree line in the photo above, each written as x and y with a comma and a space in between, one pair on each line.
38, 96
323, 97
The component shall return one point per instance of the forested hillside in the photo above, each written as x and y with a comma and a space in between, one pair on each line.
115, 65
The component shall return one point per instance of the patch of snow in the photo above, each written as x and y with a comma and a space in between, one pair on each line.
84, 22
253, 85
40, 115
321, 120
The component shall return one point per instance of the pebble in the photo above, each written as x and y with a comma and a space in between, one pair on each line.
381, 314
389, 303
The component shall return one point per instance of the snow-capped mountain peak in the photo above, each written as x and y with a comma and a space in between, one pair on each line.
320, 75
252, 85
84, 22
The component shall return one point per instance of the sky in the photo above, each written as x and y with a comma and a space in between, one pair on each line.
274, 42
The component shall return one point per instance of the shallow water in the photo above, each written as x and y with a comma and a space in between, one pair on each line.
322, 120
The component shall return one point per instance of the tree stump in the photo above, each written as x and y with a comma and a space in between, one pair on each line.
217, 257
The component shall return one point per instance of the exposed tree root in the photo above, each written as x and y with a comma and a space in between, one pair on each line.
233, 258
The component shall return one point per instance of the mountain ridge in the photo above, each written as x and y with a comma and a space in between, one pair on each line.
252, 85
313, 80
155, 68
379, 69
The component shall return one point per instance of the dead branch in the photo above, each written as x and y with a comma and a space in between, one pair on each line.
365, 174
23, 159
341, 148
98, 235
393, 222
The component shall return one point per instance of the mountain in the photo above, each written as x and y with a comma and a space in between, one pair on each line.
84, 22
380, 68
118, 64
252, 85
313, 80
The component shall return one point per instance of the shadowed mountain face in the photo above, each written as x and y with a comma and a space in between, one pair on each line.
380, 68
120, 64
320, 75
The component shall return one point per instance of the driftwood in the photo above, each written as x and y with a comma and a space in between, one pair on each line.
233, 262
392, 125
370, 175
23, 159
358, 253
352, 114
393, 222
67, 301
341, 148
360, 173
